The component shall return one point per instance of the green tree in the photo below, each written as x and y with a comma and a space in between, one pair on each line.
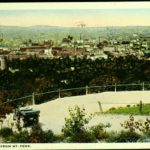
75, 129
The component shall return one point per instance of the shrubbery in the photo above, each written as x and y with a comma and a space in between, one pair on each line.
37, 135
6, 132
123, 137
76, 131
21, 137
59, 138
82, 137
126, 136
131, 125
99, 132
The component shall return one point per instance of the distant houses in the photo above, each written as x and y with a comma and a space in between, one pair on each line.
100, 48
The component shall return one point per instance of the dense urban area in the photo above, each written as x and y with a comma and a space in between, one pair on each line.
55, 42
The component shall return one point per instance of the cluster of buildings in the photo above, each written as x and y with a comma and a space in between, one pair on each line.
139, 46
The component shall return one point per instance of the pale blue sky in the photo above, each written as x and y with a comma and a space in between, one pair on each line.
68, 17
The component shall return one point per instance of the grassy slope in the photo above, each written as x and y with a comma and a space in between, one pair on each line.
132, 110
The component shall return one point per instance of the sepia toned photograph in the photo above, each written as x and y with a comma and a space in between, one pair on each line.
74, 73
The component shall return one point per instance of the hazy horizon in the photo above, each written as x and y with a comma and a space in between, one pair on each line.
73, 26
64, 17
71, 18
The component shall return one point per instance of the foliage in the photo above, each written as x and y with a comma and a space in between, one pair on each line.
6, 132
145, 138
18, 126
111, 137
76, 122
59, 138
37, 135
146, 127
42, 75
126, 136
131, 125
82, 137
99, 132
132, 131
132, 110
81, 134
74, 128
21, 137
123, 137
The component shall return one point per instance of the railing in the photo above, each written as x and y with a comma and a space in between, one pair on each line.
35, 98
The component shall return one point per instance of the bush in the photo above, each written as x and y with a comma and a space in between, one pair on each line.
111, 136
112, 108
39, 136
131, 125
59, 138
99, 131
123, 136
83, 137
48, 137
76, 122
126, 136
22, 137
144, 127
74, 129
6, 132
145, 138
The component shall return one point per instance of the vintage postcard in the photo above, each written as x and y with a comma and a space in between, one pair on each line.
75, 75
